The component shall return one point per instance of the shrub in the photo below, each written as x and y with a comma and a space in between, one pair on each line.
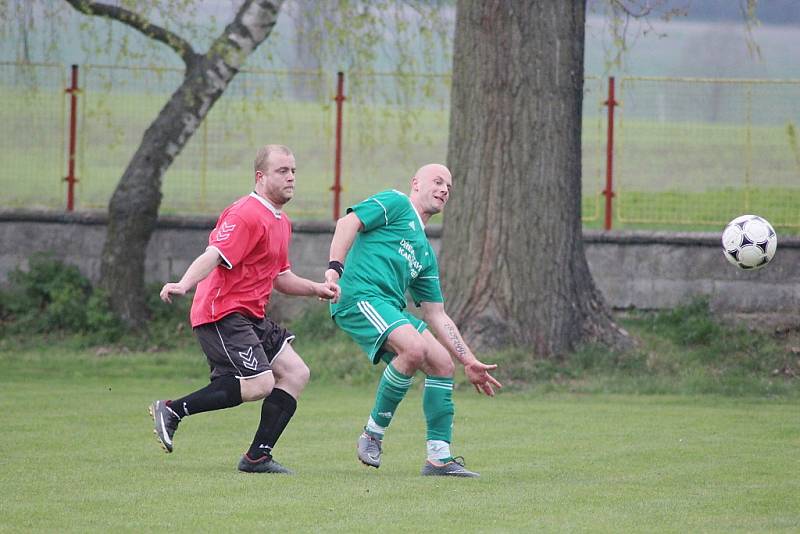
52, 296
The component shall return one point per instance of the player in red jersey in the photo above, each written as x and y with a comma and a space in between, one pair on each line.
250, 356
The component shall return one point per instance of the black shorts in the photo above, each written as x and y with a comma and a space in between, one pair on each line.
242, 346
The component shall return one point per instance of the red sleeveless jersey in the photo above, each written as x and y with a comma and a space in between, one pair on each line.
252, 237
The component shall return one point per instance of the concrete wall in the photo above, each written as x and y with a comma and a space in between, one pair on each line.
646, 270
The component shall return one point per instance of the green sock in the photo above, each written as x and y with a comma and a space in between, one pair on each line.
391, 390
437, 403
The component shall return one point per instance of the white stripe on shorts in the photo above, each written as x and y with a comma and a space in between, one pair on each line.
222, 342
372, 316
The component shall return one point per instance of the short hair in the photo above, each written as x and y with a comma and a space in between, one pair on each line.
262, 156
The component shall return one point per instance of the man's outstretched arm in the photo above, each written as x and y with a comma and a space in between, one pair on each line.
447, 333
289, 283
197, 271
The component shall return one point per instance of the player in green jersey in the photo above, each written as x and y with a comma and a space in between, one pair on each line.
380, 251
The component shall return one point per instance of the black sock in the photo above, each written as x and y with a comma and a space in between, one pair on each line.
222, 392
276, 411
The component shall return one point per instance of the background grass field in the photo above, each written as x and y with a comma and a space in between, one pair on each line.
78, 455
695, 430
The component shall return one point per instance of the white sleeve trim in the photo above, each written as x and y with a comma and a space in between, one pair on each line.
225, 262
284, 272
385, 214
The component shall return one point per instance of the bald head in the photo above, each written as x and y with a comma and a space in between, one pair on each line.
430, 189
431, 170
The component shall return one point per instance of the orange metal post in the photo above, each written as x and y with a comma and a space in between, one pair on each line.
337, 168
73, 120
609, 190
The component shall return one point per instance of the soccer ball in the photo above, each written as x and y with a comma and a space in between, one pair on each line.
749, 242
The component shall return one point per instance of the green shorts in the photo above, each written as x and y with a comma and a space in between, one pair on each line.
369, 323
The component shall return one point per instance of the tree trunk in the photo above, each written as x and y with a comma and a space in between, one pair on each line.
133, 210
513, 263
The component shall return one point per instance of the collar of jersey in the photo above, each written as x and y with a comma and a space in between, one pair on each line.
421, 224
275, 211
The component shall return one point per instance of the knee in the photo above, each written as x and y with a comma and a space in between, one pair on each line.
439, 362
445, 367
257, 388
293, 378
302, 375
414, 355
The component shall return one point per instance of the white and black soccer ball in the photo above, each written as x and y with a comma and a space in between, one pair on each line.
749, 242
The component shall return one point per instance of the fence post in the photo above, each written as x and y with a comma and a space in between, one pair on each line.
72, 90
337, 165
609, 190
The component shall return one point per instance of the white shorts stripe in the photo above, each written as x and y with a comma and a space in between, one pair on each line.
378, 317
222, 342
372, 316
369, 317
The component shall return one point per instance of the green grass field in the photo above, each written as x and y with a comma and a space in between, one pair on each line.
78, 455
693, 431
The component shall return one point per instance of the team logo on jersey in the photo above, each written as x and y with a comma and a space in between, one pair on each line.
224, 231
407, 251
249, 359
412, 225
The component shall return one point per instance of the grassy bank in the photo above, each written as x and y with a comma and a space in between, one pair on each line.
686, 351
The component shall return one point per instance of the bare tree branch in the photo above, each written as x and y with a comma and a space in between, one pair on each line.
635, 10
748, 11
139, 23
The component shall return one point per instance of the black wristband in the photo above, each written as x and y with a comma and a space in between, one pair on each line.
336, 266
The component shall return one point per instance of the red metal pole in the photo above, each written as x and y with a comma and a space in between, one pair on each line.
337, 167
609, 190
73, 120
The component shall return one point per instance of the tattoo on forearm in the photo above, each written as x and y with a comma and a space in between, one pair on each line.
455, 340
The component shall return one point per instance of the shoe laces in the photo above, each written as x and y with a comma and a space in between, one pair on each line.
459, 460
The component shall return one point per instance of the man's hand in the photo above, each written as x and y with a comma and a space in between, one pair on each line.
172, 288
332, 281
327, 290
478, 374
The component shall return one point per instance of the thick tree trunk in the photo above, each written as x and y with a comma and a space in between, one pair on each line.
133, 209
513, 262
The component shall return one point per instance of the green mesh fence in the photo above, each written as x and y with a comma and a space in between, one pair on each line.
689, 153
216, 165
33, 135
700, 152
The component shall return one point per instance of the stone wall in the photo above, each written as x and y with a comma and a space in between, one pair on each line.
646, 270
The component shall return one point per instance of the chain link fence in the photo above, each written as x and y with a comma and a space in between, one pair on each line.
703, 151
689, 153
33, 135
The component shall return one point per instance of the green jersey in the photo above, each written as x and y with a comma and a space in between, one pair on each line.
390, 255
